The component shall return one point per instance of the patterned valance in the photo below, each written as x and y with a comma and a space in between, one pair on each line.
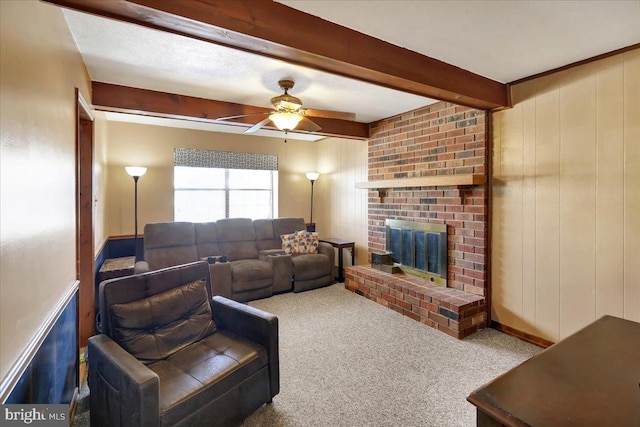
192, 157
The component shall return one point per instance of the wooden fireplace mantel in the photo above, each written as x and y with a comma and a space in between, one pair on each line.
425, 181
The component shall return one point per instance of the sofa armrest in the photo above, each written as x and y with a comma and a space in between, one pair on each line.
141, 267
255, 325
265, 253
328, 250
221, 279
282, 272
123, 390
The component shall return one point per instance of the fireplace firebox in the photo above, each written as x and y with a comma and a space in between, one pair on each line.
419, 248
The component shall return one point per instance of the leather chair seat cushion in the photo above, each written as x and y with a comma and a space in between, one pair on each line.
310, 266
158, 326
249, 274
196, 375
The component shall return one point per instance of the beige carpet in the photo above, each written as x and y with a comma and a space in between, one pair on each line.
347, 361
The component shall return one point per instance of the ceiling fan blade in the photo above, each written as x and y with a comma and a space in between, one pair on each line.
327, 114
307, 125
257, 126
242, 115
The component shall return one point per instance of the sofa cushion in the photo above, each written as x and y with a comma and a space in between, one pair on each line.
264, 234
287, 226
207, 239
196, 375
169, 243
158, 326
167, 234
249, 274
237, 238
235, 230
310, 266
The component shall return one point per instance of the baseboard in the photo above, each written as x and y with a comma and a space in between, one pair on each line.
541, 342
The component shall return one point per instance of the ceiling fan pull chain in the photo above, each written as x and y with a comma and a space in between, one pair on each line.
285, 135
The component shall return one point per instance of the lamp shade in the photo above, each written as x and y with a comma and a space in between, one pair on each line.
135, 170
285, 120
312, 176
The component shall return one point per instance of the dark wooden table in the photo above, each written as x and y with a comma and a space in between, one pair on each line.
341, 244
591, 378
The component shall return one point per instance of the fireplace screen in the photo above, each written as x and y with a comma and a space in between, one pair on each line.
419, 248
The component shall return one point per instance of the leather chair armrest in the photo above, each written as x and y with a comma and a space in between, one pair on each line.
255, 325
221, 280
123, 390
141, 267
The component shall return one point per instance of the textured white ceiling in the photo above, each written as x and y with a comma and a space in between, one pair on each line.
502, 40
131, 55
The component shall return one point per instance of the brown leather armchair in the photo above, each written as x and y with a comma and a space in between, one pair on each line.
172, 355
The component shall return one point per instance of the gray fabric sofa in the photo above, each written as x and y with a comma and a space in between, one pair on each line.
173, 355
257, 266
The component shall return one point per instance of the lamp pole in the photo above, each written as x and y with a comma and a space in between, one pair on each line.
135, 233
312, 176
136, 172
312, 181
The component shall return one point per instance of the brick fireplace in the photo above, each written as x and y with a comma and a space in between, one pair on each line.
445, 142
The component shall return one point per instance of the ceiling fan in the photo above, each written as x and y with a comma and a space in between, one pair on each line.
288, 114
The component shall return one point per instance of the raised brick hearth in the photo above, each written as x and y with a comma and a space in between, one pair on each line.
437, 140
449, 310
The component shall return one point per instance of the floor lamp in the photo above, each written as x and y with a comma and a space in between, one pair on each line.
312, 176
136, 172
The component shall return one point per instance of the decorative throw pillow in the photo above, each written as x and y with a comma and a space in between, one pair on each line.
300, 242
313, 241
287, 242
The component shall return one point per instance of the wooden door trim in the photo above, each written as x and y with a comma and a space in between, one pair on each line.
84, 221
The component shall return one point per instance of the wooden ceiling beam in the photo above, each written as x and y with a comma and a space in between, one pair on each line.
272, 29
124, 99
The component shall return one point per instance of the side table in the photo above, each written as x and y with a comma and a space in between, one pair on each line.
340, 244
587, 379
116, 267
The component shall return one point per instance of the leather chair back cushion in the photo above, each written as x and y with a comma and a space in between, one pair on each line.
156, 327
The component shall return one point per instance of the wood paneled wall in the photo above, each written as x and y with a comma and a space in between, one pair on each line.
566, 199
340, 210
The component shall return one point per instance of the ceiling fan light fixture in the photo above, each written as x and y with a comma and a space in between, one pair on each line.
285, 120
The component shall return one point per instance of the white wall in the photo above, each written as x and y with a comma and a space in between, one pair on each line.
40, 67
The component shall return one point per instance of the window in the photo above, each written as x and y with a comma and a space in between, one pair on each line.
207, 187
